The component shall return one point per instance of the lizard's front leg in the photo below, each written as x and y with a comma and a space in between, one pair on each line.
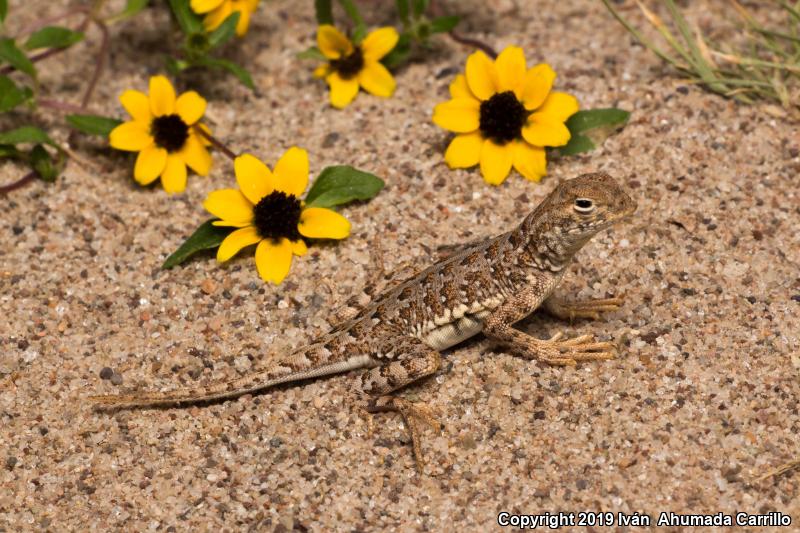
499, 326
415, 361
581, 309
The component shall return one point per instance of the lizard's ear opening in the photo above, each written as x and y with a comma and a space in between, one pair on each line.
583, 205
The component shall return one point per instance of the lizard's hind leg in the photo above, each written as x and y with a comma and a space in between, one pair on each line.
415, 360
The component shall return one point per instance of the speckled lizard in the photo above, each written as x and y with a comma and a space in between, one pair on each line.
487, 286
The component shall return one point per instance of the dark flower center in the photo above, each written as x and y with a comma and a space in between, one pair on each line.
349, 66
170, 132
276, 216
502, 117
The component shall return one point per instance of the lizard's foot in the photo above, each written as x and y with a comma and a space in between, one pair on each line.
412, 413
569, 352
583, 309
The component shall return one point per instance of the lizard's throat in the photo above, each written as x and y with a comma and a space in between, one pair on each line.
556, 249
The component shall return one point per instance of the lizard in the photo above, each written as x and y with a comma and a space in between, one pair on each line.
486, 287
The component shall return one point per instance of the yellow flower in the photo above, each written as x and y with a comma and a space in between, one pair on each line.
216, 11
352, 65
164, 131
267, 210
504, 114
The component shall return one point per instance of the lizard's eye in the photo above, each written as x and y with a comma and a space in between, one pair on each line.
584, 205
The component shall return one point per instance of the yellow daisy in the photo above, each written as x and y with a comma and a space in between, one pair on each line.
504, 114
216, 11
352, 65
164, 132
268, 211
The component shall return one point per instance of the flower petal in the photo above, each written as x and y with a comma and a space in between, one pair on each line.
162, 96
342, 91
150, 164
230, 205
322, 223
461, 115
542, 131
215, 18
558, 107
235, 241
481, 75
299, 248
130, 136
464, 151
254, 178
530, 161
376, 79
379, 43
137, 105
273, 260
190, 106
322, 71
459, 88
174, 176
196, 155
511, 69
332, 43
291, 171
538, 82
204, 6
244, 21
496, 161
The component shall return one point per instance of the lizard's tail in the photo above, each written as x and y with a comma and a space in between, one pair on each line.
287, 371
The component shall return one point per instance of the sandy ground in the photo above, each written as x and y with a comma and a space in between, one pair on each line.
701, 401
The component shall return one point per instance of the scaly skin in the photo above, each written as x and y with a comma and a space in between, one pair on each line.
486, 287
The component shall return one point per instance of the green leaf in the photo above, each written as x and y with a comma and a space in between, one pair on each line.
14, 56
53, 37
419, 6
9, 150
444, 24
590, 128
231, 67
26, 134
399, 53
43, 164
131, 8
342, 184
176, 66
312, 53
324, 11
402, 11
3, 10
205, 237
224, 31
11, 95
93, 124
187, 19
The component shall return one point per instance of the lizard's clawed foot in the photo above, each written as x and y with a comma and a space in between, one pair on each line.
584, 309
569, 352
412, 413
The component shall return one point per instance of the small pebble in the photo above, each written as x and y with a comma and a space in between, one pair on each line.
116, 379
106, 373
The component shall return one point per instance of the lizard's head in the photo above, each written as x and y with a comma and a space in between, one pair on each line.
590, 203
579, 208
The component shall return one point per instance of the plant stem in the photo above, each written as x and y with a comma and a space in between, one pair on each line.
102, 54
216, 143
64, 107
30, 176
457, 37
